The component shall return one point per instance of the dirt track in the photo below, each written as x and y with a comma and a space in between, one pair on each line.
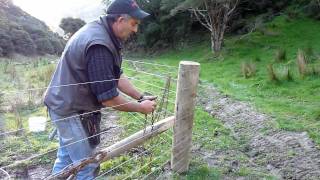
282, 154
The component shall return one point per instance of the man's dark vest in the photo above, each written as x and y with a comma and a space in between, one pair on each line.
69, 91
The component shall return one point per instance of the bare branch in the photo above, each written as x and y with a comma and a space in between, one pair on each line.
205, 17
205, 24
234, 7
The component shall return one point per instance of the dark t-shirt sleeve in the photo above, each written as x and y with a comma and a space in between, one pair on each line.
102, 73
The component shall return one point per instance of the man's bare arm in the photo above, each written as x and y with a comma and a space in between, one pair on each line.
121, 104
125, 86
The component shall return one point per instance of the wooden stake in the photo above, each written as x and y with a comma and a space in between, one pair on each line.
184, 111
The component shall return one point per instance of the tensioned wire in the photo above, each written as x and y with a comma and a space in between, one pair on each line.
165, 133
88, 83
149, 133
61, 119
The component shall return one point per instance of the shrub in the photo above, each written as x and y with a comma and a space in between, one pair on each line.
71, 25
57, 45
6, 45
22, 42
44, 46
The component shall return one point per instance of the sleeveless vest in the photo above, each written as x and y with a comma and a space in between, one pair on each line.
69, 91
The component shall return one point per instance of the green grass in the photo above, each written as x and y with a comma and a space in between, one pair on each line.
208, 133
24, 144
294, 104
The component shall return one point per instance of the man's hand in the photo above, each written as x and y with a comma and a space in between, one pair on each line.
150, 98
147, 106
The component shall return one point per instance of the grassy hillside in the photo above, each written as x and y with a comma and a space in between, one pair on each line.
23, 34
294, 103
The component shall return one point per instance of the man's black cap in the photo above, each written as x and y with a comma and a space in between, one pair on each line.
129, 7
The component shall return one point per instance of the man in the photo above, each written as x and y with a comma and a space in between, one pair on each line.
88, 78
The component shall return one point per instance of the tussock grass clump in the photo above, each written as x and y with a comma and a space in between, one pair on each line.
48, 72
248, 69
281, 55
272, 74
302, 63
315, 70
4, 65
309, 53
11, 70
287, 75
1, 101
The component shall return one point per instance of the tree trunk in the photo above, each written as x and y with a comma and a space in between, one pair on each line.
216, 42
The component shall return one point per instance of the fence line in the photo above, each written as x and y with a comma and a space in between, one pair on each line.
78, 115
162, 88
153, 147
103, 109
163, 140
59, 86
163, 76
154, 64
142, 90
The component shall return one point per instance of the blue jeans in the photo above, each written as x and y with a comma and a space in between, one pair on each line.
72, 146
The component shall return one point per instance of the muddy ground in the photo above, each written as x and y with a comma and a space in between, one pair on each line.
281, 154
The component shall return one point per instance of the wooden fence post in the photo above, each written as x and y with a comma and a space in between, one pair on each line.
184, 111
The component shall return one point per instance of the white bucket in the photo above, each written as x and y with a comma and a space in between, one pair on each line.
37, 124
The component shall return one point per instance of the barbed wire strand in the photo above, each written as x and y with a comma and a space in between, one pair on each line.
150, 74
6, 173
59, 86
155, 170
150, 84
163, 140
153, 147
157, 94
79, 140
147, 134
148, 63
78, 115
170, 150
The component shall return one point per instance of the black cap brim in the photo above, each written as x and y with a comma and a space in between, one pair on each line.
139, 14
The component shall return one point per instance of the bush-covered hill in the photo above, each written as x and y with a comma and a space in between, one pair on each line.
23, 34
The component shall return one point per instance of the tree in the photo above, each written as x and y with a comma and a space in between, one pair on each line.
214, 15
71, 25
5, 44
160, 29
44, 46
58, 45
22, 42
